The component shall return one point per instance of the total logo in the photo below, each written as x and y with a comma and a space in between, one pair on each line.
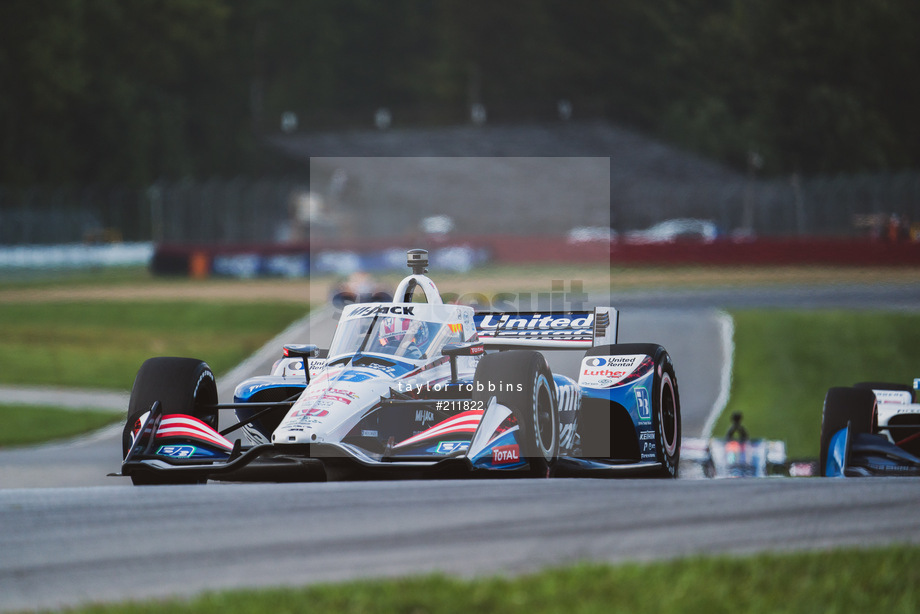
505, 455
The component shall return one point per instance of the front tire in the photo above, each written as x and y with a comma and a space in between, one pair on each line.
182, 386
523, 382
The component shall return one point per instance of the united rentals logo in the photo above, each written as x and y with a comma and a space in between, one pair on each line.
578, 326
608, 371
610, 361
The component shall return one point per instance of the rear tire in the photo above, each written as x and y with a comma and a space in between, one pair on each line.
856, 406
182, 386
534, 404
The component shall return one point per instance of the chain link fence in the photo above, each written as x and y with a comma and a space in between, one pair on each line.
215, 211
243, 210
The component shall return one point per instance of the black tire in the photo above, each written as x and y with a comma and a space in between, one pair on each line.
665, 402
886, 386
534, 404
182, 386
856, 406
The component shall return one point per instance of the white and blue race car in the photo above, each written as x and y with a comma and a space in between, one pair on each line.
872, 428
410, 388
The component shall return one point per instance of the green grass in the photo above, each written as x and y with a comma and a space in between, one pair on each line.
101, 344
57, 278
28, 424
859, 581
786, 360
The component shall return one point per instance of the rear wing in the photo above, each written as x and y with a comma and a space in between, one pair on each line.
548, 330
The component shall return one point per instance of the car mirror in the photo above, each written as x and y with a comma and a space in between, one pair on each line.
452, 350
303, 352
463, 349
297, 350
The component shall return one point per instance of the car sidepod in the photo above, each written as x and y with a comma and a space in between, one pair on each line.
630, 410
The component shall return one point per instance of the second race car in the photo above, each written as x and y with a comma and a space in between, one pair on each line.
872, 428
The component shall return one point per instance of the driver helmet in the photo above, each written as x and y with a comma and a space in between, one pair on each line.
394, 330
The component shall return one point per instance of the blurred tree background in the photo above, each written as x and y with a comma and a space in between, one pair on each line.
109, 91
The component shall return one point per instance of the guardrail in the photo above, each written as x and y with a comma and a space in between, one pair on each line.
297, 260
76, 256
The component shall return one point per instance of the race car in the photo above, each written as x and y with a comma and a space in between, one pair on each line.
736, 455
413, 388
872, 428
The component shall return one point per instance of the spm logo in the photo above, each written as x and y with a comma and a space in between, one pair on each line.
642, 404
449, 447
176, 451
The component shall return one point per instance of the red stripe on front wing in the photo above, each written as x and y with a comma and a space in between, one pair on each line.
463, 423
181, 425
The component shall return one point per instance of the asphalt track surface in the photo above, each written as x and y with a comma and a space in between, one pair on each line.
62, 546
111, 543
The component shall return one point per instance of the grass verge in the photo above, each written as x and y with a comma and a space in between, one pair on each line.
596, 278
101, 344
786, 360
29, 424
861, 581
42, 278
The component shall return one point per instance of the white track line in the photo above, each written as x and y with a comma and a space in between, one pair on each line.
727, 332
